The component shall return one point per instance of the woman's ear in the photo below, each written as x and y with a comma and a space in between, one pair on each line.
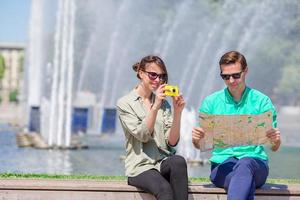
246, 70
140, 73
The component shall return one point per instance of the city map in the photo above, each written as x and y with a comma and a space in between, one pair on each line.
223, 131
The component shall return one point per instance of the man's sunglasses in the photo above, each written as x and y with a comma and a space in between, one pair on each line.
152, 76
234, 76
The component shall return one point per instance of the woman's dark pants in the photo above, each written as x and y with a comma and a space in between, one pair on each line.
171, 183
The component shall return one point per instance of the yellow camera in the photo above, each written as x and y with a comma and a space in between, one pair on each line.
171, 90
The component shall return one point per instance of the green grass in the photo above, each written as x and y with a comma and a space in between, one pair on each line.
116, 178
284, 181
199, 180
57, 176
270, 180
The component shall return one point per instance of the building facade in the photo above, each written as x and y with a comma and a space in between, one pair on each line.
10, 86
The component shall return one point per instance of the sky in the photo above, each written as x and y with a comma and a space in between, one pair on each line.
14, 21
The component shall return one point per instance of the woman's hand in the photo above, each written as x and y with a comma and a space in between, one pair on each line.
160, 96
178, 104
274, 136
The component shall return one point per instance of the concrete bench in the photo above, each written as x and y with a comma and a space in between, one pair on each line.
25, 189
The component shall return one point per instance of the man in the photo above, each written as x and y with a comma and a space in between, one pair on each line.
239, 170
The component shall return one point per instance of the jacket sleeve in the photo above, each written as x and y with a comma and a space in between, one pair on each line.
131, 123
168, 120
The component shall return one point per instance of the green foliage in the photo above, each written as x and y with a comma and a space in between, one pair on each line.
290, 81
288, 90
294, 58
274, 64
264, 70
13, 96
21, 62
2, 67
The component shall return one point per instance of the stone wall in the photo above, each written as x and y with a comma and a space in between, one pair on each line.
110, 190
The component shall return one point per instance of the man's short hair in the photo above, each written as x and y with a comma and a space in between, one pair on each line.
232, 57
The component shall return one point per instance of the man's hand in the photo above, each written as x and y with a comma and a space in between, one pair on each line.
197, 134
274, 136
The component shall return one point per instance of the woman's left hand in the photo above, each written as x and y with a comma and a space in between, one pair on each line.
178, 103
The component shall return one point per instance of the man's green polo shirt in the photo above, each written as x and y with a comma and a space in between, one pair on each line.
252, 102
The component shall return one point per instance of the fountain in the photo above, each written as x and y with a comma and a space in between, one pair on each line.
81, 57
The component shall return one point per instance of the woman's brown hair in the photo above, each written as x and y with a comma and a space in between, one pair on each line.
148, 60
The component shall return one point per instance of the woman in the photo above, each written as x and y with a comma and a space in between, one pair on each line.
151, 133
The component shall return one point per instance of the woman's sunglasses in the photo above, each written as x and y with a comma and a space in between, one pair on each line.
152, 76
234, 76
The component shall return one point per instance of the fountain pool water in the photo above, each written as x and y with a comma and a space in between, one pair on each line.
283, 164
82, 55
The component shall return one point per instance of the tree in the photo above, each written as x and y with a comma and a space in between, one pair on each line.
13, 96
2, 67
288, 90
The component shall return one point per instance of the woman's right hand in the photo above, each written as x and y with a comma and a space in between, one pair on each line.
160, 96
197, 134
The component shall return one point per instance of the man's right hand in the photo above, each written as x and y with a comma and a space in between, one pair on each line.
197, 134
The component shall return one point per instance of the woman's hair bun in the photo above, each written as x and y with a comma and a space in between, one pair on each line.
136, 66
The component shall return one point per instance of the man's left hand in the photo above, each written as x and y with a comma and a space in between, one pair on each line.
274, 135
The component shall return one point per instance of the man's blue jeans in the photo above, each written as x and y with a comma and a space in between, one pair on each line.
240, 177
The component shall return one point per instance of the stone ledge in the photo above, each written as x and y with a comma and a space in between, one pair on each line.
31, 189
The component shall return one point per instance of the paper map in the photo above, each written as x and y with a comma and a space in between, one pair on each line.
223, 131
